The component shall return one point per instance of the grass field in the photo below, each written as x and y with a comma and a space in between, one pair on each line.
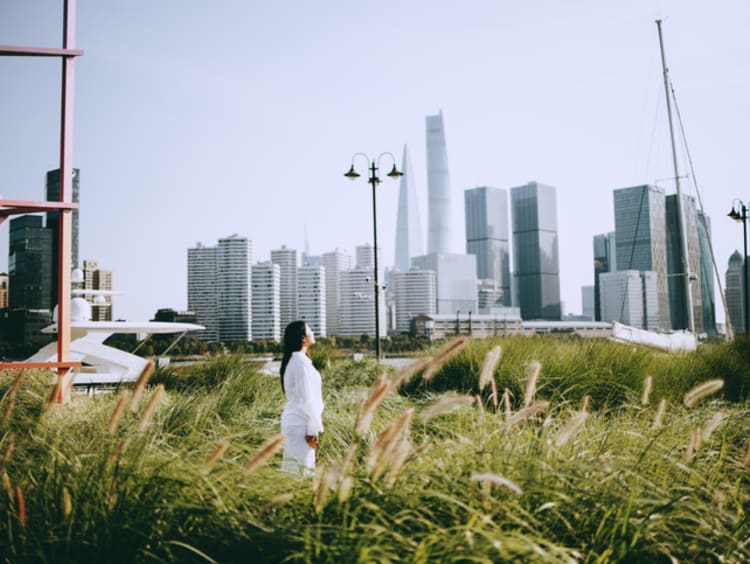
526, 449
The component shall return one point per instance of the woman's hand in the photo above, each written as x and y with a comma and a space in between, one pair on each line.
312, 441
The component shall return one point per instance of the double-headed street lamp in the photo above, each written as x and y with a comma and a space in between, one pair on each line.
740, 214
374, 181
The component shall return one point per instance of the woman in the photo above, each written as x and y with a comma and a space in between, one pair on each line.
301, 420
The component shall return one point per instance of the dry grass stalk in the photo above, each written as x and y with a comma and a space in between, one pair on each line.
140, 385
528, 397
268, 449
345, 489
692, 445
498, 480
369, 406
8, 451
275, 502
506, 403
491, 360
21, 502
701, 391
585, 403
8, 487
405, 373
647, 384
114, 421
527, 412
119, 451
659, 415
712, 425
387, 440
480, 404
67, 503
450, 349
572, 427
446, 404
346, 463
322, 486
399, 459
208, 464
12, 396
148, 413
746, 459
493, 395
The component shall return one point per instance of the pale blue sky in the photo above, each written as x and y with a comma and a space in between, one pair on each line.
197, 120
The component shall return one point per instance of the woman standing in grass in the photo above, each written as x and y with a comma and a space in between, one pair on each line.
301, 420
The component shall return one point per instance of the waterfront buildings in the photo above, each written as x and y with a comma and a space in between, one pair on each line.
202, 294
414, 293
311, 299
234, 259
334, 262
266, 301
287, 261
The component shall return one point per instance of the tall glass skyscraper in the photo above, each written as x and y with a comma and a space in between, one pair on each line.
408, 224
641, 235
53, 222
708, 302
30, 264
486, 212
535, 250
735, 293
438, 187
605, 260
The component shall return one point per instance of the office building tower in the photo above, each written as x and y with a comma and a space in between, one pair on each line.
455, 280
30, 264
311, 298
677, 269
311, 260
366, 259
641, 235
95, 278
735, 292
708, 301
587, 302
489, 296
287, 261
438, 188
53, 223
3, 290
357, 304
203, 294
605, 260
408, 224
630, 297
414, 294
334, 262
234, 258
266, 301
486, 211
535, 250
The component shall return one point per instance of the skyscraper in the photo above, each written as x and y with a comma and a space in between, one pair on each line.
414, 293
30, 264
53, 222
408, 224
287, 261
203, 296
234, 258
486, 212
641, 235
735, 293
535, 250
3, 290
311, 298
266, 301
630, 297
95, 278
676, 272
455, 281
605, 260
708, 301
357, 304
334, 263
438, 187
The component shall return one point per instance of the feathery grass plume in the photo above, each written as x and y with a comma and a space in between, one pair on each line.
275, 502
67, 503
12, 395
647, 384
8, 451
692, 445
491, 360
496, 479
345, 489
119, 451
346, 463
573, 425
659, 415
493, 395
506, 403
452, 348
370, 405
530, 411
148, 413
585, 403
746, 459
208, 464
399, 459
114, 421
268, 449
712, 425
446, 404
140, 385
8, 487
406, 372
701, 391
323, 485
387, 440
480, 404
534, 369
21, 502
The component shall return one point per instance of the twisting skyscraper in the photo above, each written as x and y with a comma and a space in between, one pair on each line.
408, 224
438, 187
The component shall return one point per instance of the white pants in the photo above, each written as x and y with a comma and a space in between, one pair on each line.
298, 456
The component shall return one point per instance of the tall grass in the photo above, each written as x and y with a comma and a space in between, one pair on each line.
434, 475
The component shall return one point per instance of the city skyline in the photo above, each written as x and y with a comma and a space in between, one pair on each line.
253, 134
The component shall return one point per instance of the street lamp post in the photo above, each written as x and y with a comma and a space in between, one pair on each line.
741, 215
374, 181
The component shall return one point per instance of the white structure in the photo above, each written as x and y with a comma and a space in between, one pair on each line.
334, 263
266, 301
630, 297
366, 258
438, 187
408, 223
357, 304
234, 258
311, 298
414, 293
202, 294
455, 280
287, 261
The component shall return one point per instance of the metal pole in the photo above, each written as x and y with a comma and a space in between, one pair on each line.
744, 264
374, 182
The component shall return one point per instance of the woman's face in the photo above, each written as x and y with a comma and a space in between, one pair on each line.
309, 336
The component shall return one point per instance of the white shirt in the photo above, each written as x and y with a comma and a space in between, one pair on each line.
304, 399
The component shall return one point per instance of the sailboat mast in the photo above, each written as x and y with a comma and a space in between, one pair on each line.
680, 208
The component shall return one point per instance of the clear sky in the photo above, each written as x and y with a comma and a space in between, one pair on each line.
196, 120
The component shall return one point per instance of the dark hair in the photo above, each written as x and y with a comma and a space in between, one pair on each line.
293, 336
